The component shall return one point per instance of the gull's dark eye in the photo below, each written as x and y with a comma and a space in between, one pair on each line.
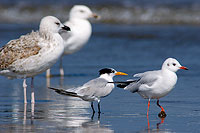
82, 11
167, 64
57, 23
174, 64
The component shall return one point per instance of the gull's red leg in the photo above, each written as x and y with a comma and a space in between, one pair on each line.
162, 109
148, 123
148, 108
162, 114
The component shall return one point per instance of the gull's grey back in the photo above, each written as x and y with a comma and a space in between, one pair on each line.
147, 78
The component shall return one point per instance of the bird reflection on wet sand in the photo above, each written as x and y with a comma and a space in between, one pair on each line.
48, 80
74, 113
161, 121
25, 109
25, 113
93, 126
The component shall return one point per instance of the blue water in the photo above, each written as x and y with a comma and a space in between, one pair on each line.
111, 11
127, 48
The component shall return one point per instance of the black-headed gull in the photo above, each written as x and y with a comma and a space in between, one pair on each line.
81, 31
94, 89
33, 53
155, 84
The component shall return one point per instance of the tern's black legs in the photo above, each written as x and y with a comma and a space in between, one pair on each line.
92, 107
99, 110
92, 116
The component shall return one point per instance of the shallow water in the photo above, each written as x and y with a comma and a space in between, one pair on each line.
127, 48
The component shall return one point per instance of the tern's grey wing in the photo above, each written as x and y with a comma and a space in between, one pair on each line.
147, 79
92, 88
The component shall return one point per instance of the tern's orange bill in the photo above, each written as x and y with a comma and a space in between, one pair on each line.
120, 73
182, 67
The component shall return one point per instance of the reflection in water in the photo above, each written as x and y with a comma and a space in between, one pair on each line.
161, 122
74, 113
48, 81
32, 112
71, 112
61, 81
25, 109
157, 125
93, 126
62, 115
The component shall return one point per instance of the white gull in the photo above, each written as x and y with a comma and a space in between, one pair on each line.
81, 31
155, 84
33, 53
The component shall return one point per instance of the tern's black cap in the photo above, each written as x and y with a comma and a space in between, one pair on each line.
106, 70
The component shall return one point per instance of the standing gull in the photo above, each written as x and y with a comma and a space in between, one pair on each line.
81, 30
155, 84
94, 89
33, 53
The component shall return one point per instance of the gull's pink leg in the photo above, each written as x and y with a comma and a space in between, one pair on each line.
25, 86
32, 91
48, 73
61, 67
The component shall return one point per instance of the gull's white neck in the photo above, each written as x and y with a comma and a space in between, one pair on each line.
83, 26
169, 75
165, 70
107, 77
80, 21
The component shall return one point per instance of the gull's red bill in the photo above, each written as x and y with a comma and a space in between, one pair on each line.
182, 67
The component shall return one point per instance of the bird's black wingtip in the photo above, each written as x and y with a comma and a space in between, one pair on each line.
51, 88
55, 89
121, 85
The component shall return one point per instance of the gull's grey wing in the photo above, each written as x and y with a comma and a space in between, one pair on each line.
147, 79
25, 46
